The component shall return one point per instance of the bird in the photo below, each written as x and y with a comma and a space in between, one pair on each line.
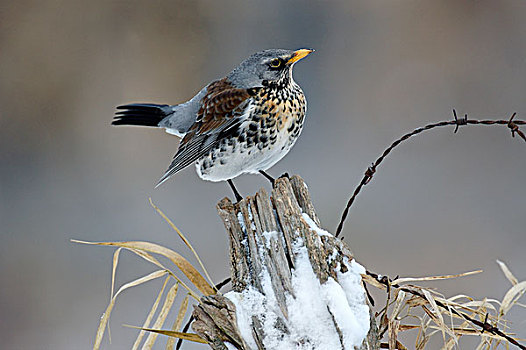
243, 123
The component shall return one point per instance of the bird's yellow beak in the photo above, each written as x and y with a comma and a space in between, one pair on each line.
299, 54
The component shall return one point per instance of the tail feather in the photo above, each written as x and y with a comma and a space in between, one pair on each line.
145, 114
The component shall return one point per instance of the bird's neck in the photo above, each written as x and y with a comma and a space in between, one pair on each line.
284, 82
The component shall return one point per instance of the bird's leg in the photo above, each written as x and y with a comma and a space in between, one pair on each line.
268, 177
234, 189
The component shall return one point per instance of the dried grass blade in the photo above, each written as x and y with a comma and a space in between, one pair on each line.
433, 278
185, 240
114, 270
151, 259
450, 344
513, 280
149, 318
182, 312
467, 331
423, 336
144, 279
147, 256
106, 316
398, 304
437, 315
393, 333
167, 306
186, 336
113, 274
421, 332
373, 282
460, 296
511, 297
170, 344
400, 346
407, 327
486, 304
193, 275
102, 325
415, 301
483, 344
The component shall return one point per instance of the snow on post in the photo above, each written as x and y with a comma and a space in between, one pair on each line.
295, 286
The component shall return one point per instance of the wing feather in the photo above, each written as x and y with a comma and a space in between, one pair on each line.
222, 112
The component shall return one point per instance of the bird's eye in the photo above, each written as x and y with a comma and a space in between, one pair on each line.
276, 63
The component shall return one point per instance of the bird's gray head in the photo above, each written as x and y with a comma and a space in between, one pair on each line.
266, 67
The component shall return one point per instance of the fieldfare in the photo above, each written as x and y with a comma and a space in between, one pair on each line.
243, 123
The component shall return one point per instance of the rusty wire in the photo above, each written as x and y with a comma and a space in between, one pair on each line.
484, 326
512, 124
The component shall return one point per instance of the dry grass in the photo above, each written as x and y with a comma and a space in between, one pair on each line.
164, 302
413, 307
408, 306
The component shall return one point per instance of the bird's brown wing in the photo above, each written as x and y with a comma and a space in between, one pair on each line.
219, 115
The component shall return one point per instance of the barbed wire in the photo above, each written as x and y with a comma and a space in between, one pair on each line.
512, 124
484, 326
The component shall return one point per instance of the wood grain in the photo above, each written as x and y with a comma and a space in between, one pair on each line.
263, 232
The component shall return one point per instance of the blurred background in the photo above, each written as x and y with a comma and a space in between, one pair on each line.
441, 203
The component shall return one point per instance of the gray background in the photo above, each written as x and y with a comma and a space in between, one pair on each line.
441, 203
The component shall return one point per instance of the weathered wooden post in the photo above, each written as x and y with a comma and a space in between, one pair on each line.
295, 286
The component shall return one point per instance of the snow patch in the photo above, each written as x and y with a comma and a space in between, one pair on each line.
357, 315
230, 346
315, 227
248, 303
269, 236
311, 311
241, 221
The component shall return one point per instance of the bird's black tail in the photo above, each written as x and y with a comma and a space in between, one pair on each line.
145, 114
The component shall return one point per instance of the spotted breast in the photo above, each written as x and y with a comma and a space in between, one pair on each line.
269, 124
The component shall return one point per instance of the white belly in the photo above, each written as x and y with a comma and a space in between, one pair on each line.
240, 159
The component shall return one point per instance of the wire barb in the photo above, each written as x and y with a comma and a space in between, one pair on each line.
369, 173
459, 122
486, 326
515, 128
510, 123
